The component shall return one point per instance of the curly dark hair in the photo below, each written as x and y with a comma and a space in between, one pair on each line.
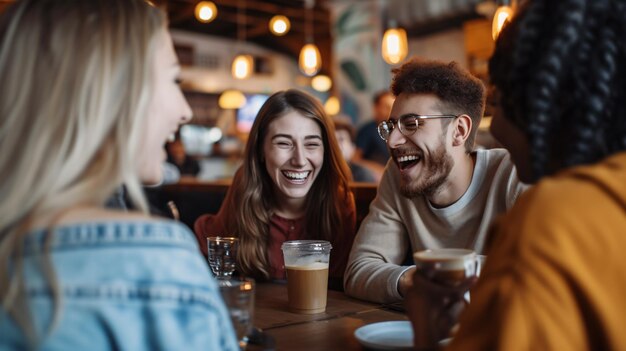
459, 91
560, 69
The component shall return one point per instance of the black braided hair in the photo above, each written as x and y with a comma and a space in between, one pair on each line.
559, 67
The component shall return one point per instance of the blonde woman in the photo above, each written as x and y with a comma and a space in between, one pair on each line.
293, 185
90, 95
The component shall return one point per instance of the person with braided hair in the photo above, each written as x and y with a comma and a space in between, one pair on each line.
555, 278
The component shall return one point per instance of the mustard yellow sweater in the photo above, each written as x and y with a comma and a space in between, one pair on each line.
555, 277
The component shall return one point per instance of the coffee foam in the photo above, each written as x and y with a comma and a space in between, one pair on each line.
446, 259
308, 267
305, 260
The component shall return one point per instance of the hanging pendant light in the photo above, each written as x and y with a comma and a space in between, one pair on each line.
500, 18
310, 60
321, 83
279, 25
332, 106
231, 99
395, 46
205, 11
243, 64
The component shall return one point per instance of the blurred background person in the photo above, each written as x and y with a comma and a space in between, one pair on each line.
91, 101
177, 155
555, 276
345, 133
293, 184
371, 147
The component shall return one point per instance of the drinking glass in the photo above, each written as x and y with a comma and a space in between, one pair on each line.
238, 294
222, 255
451, 267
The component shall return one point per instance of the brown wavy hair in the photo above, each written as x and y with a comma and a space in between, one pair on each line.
249, 202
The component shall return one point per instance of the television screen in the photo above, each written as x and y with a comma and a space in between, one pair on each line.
247, 113
198, 140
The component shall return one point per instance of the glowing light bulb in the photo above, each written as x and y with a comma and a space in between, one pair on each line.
321, 83
500, 18
395, 46
332, 106
242, 66
231, 99
206, 11
310, 60
279, 25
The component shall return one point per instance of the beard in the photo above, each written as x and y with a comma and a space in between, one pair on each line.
434, 174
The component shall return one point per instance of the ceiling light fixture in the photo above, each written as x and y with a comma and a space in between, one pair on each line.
395, 46
332, 106
231, 99
279, 25
321, 83
242, 64
500, 18
205, 11
310, 60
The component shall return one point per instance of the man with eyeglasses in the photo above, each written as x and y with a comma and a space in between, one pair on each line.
436, 191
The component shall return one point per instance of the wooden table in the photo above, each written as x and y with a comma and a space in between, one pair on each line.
331, 330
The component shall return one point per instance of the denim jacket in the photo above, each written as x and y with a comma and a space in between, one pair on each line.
131, 285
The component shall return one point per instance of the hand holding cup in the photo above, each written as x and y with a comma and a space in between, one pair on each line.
435, 300
448, 267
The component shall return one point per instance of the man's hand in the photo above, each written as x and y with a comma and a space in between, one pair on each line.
433, 308
406, 281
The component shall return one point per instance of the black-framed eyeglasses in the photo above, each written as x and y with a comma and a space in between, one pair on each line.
407, 124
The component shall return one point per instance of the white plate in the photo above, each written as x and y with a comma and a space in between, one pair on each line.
445, 342
394, 335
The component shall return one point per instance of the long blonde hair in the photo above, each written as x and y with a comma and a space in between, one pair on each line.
249, 205
77, 79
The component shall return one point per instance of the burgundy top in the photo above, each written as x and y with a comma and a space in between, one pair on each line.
281, 230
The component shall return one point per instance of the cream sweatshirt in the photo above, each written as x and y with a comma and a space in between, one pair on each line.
397, 226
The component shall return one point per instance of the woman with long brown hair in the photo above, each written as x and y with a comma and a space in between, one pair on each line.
293, 184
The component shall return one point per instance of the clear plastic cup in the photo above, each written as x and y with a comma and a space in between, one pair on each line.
306, 264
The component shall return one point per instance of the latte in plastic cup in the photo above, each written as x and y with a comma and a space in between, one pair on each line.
306, 264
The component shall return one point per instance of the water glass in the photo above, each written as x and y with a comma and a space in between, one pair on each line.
222, 255
238, 294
